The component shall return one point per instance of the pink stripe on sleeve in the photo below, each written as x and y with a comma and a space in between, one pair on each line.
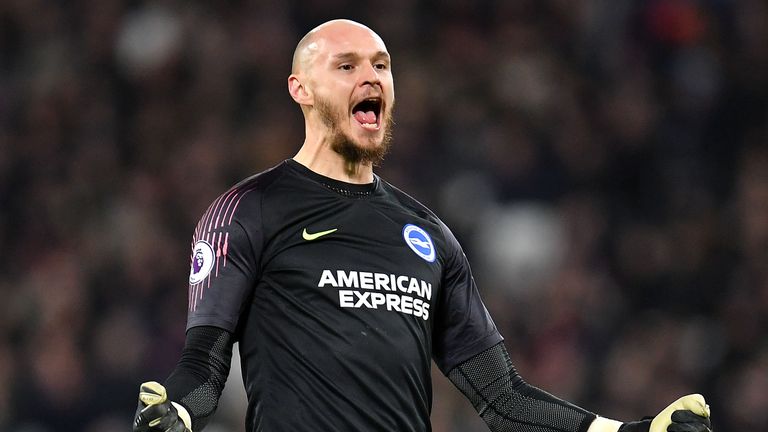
226, 246
215, 207
237, 204
218, 252
227, 210
219, 207
200, 230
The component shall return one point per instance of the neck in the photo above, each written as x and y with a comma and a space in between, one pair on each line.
317, 155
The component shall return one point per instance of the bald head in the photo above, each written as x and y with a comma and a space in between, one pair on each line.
342, 80
312, 43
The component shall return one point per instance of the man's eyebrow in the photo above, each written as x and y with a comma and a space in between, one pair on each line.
382, 55
347, 56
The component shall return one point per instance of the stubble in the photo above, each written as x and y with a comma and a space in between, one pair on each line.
346, 146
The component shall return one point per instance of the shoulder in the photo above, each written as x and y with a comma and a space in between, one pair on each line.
408, 202
259, 182
241, 200
423, 212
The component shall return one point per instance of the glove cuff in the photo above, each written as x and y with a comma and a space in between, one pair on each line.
183, 415
602, 424
643, 425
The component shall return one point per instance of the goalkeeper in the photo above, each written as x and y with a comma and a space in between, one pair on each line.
340, 289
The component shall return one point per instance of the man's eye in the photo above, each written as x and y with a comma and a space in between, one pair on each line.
381, 66
346, 67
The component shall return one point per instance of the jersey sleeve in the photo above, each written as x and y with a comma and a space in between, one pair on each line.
463, 326
224, 260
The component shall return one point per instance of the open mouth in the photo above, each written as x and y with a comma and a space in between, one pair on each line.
368, 113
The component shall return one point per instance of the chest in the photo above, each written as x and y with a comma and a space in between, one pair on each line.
357, 254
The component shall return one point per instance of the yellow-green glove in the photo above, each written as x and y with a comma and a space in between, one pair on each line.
690, 410
156, 413
690, 413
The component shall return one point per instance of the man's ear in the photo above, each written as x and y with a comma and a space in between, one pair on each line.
299, 91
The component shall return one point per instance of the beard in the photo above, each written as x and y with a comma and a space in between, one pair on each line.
343, 144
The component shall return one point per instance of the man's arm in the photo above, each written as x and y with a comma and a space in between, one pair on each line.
194, 387
508, 404
224, 267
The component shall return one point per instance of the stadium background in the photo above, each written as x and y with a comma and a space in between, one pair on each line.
604, 163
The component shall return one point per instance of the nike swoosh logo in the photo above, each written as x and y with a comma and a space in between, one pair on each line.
317, 235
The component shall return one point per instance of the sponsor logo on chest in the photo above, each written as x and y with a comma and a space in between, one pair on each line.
371, 290
385, 291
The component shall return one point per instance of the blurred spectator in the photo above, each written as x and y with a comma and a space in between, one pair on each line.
604, 164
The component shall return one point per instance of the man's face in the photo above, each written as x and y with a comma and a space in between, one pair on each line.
353, 91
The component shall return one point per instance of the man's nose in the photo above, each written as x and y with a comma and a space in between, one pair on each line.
370, 75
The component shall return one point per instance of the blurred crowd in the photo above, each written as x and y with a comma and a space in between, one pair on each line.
603, 162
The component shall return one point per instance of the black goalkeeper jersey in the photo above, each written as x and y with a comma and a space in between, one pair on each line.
339, 296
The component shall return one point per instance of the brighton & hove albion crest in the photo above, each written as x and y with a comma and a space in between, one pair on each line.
419, 241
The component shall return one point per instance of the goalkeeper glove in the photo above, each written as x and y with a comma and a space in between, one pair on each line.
688, 414
156, 413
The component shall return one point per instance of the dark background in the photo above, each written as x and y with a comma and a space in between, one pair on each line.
603, 162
